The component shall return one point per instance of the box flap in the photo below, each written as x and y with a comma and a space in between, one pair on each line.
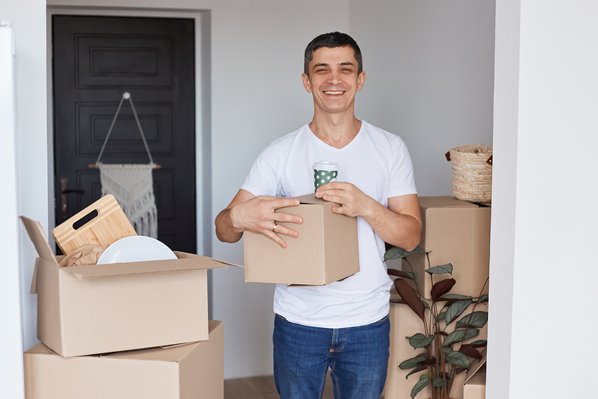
38, 237
476, 367
33, 289
444, 202
39, 349
185, 262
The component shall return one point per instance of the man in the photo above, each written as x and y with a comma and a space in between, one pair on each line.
342, 326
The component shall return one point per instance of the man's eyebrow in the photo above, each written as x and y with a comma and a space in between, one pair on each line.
323, 64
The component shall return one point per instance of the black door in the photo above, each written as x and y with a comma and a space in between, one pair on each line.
95, 60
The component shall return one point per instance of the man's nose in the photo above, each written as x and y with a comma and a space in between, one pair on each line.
334, 77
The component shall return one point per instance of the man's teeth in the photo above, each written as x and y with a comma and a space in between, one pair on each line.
334, 92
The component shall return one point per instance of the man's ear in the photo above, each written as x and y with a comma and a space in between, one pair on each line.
360, 80
306, 82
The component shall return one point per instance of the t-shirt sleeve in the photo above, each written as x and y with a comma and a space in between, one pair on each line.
263, 177
401, 179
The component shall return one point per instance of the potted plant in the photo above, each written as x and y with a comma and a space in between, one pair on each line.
448, 326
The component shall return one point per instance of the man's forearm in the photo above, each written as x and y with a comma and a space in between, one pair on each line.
394, 228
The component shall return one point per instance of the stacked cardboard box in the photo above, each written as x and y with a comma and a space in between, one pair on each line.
189, 371
456, 232
94, 322
475, 381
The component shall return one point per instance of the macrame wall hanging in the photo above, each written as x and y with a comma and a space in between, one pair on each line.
131, 184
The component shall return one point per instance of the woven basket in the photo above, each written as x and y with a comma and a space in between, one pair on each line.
471, 167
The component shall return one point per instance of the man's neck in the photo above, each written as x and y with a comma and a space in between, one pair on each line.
336, 130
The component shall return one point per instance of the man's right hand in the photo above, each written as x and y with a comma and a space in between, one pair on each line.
247, 212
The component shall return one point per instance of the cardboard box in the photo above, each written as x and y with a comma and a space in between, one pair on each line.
326, 250
456, 232
91, 309
191, 371
475, 381
405, 323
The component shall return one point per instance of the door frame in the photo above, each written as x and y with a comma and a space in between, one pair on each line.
202, 103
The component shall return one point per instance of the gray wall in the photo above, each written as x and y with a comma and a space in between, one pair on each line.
430, 80
430, 77
257, 96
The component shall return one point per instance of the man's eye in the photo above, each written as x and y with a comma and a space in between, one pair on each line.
347, 70
320, 70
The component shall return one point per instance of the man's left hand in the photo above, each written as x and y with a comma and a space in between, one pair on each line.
353, 202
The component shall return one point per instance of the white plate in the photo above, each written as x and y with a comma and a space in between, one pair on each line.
135, 249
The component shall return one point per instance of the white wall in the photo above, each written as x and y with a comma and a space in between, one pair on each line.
28, 22
506, 108
11, 337
430, 68
551, 103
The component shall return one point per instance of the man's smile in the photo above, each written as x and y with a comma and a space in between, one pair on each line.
334, 92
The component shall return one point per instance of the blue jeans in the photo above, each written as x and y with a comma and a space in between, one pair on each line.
357, 358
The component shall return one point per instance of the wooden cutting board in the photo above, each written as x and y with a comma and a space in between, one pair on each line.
101, 223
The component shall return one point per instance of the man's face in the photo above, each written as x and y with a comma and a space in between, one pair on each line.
333, 79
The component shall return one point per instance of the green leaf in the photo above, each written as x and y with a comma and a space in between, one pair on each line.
400, 253
442, 269
483, 298
416, 370
476, 319
460, 335
441, 287
413, 362
438, 382
420, 340
410, 297
453, 297
480, 343
458, 359
424, 380
440, 316
401, 273
456, 309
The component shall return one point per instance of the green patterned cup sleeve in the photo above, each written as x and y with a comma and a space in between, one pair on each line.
324, 176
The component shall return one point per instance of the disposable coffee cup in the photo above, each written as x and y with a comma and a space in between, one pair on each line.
324, 172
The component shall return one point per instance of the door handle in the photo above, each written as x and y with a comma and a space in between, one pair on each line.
64, 191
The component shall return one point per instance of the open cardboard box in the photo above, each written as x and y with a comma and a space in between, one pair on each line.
326, 250
190, 371
456, 232
92, 309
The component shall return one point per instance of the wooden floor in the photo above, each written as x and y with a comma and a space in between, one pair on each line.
260, 388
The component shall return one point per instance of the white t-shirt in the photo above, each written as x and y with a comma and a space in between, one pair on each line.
375, 161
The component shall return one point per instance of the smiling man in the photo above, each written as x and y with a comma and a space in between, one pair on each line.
342, 326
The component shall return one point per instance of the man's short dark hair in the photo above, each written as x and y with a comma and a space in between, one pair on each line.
331, 40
